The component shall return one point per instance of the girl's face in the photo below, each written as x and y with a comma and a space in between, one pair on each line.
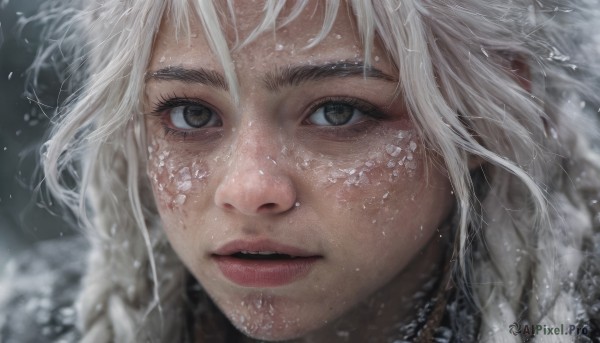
308, 198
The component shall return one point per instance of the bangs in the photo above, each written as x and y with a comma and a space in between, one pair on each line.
276, 15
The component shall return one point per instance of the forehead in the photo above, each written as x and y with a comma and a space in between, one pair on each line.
279, 41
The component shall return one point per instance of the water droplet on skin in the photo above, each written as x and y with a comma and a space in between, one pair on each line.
162, 59
10, 75
297, 204
278, 47
376, 58
581, 104
137, 264
338, 36
261, 172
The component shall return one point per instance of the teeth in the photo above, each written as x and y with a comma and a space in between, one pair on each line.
258, 252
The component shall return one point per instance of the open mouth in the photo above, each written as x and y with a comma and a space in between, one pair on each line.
263, 263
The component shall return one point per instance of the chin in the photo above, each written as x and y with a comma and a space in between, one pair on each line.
270, 319
269, 328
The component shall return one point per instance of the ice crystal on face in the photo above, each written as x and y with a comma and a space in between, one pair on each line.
393, 150
198, 172
179, 199
349, 171
184, 182
402, 134
413, 146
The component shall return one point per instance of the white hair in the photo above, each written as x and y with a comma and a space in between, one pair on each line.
524, 217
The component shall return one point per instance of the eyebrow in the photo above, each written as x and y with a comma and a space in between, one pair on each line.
204, 76
273, 81
296, 75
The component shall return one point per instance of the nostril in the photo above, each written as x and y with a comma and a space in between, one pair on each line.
267, 207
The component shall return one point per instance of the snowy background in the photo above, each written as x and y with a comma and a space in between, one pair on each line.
22, 128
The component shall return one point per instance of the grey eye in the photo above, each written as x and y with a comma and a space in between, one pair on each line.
335, 114
193, 117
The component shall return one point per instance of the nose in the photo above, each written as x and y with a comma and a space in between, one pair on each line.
254, 184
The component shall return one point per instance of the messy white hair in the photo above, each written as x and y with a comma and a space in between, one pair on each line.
505, 82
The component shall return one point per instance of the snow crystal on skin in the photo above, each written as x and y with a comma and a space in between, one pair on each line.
171, 180
400, 157
179, 199
393, 150
255, 315
184, 182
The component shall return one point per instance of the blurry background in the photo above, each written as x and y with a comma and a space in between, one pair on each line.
24, 218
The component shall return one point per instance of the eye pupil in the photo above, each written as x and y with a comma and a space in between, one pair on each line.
338, 114
197, 116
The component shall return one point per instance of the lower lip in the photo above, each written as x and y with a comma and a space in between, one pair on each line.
264, 273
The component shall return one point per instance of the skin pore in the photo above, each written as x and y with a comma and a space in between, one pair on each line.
315, 155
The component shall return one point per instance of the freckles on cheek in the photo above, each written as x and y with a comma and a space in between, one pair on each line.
174, 174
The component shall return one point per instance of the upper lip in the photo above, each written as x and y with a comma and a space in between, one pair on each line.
263, 245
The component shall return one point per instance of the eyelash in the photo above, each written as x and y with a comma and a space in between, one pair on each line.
366, 108
166, 103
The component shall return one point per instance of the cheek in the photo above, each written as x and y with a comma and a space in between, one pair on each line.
175, 175
386, 196
393, 166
